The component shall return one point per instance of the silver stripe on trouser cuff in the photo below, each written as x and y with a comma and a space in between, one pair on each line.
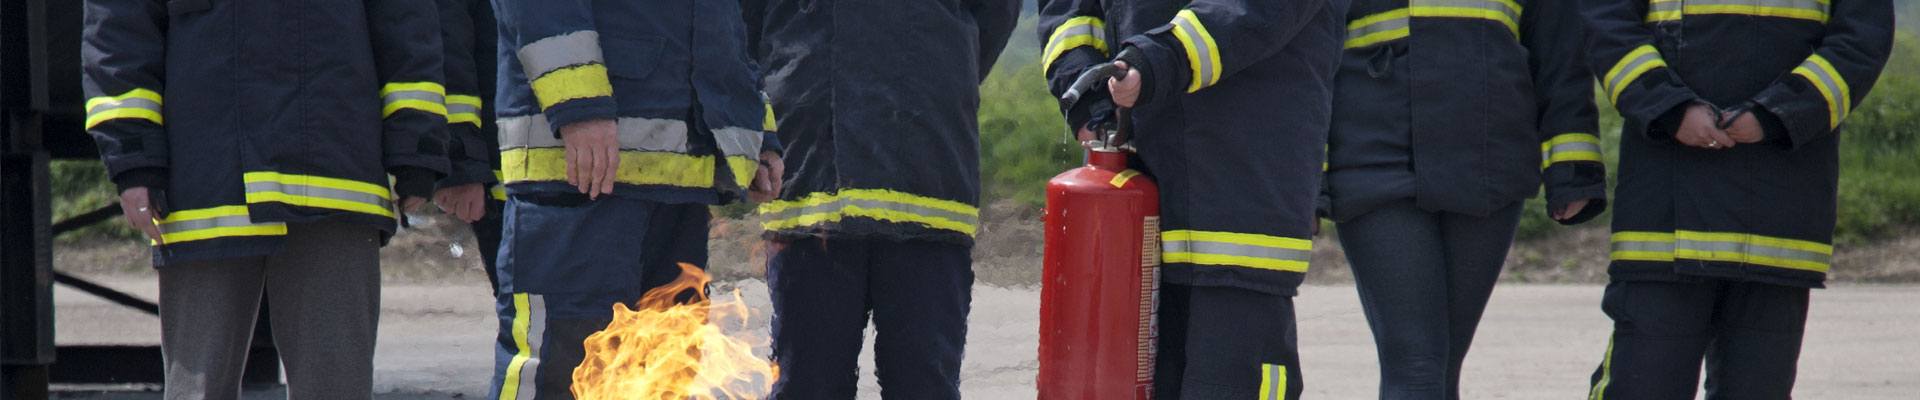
1204, 56
1231, 249
1613, 85
206, 223
1751, 249
421, 95
131, 102
1377, 27
1654, 247
320, 192
841, 204
536, 333
643, 134
560, 51
1831, 82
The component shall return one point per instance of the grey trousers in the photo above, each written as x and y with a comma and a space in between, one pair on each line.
324, 287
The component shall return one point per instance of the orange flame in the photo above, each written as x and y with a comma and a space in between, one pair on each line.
669, 350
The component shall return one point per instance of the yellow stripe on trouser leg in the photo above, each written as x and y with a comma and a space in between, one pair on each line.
1606, 375
572, 83
510, 389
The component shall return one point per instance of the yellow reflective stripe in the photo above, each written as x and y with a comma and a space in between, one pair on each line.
463, 109
1731, 247
429, 97
510, 390
1629, 68
1236, 249
134, 104
878, 204
498, 192
770, 125
212, 223
572, 83
1076, 32
1642, 246
1758, 11
1273, 382
1567, 147
320, 181
636, 167
1203, 55
1599, 391
317, 202
1506, 12
1831, 85
302, 190
1377, 28
1675, 10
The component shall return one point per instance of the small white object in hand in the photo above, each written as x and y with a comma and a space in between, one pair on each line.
457, 250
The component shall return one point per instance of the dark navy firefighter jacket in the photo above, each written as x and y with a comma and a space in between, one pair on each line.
245, 116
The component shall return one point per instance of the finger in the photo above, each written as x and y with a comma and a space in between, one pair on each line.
573, 167
611, 160
1720, 137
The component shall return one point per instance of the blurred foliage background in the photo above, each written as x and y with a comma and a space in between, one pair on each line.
1024, 143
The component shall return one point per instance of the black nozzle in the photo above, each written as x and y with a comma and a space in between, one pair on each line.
1097, 75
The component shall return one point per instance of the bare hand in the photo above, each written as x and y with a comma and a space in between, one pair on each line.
411, 204
1701, 130
593, 155
769, 179
467, 202
1086, 137
139, 212
1570, 210
1744, 128
1126, 91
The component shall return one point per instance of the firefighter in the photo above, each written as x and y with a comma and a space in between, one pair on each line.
1428, 188
878, 218
471, 191
1728, 171
1231, 102
619, 122
253, 144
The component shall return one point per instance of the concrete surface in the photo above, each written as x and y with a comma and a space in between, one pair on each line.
1537, 342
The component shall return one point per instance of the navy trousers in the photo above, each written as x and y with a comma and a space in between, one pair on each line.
1748, 333
917, 293
564, 262
1226, 343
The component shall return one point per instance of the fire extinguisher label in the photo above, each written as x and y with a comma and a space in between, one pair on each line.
1149, 302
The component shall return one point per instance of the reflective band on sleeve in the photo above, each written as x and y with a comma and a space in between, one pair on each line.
1831, 85
1081, 31
637, 134
877, 204
1273, 382
319, 192
1236, 250
1731, 247
141, 104
499, 188
427, 97
770, 124
1635, 63
1675, 10
529, 330
1203, 55
463, 109
1377, 29
1568, 147
572, 83
560, 51
1506, 12
213, 223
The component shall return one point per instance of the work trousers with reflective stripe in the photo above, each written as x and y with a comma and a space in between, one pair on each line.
1748, 333
1221, 342
917, 292
323, 285
564, 261
486, 236
1424, 279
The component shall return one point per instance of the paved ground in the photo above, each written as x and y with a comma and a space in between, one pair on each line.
1538, 342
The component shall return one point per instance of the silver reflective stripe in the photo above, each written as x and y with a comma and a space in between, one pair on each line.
1621, 79
1832, 83
318, 192
130, 102
1573, 147
1652, 247
1275, 375
739, 141
421, 95
1205, 55
1377, 27
536, 333
458, 108
1808, 5
207, 223
643, 134
1751, 249
1663, 6
839, 205
1231, 249
561, 51
1065, 34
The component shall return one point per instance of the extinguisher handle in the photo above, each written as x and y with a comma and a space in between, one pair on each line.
1122, 130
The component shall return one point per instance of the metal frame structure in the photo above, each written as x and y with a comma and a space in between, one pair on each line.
40, 120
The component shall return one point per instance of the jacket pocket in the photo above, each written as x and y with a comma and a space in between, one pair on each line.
177, 7
630, 57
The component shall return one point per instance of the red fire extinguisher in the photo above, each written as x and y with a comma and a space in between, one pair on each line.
1101, 275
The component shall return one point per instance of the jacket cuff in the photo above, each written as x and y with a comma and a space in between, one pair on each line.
1568, 182
148, 177
770, 142
1668, 123
1162, 68
414, 182
1772, 130
563, 114
466, 173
